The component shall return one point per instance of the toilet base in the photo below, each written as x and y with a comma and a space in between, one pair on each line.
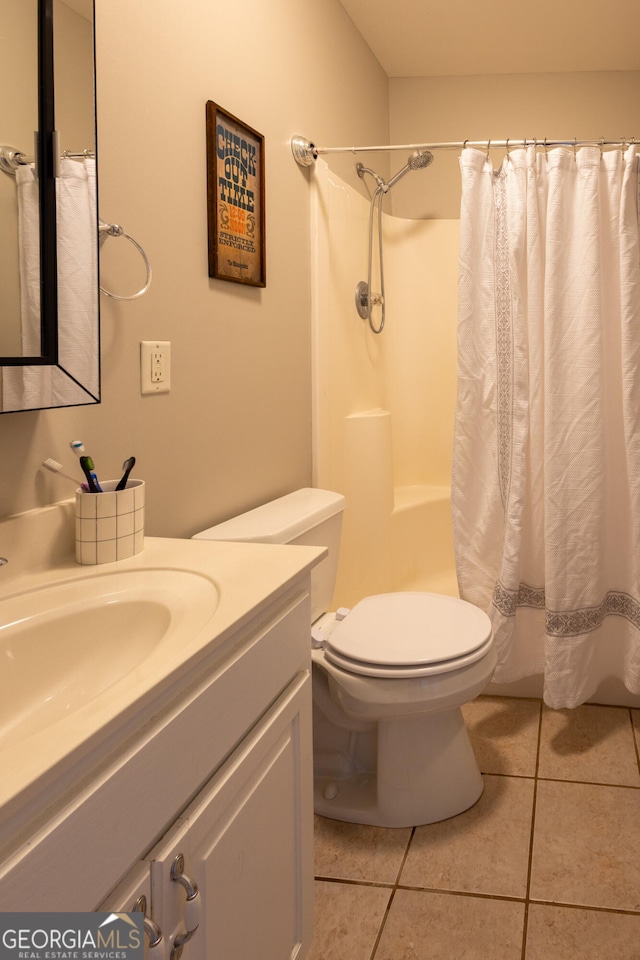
424, 771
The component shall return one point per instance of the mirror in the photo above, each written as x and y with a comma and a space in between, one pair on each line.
49, 316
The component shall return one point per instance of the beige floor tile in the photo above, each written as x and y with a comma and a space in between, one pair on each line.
504, 734
353, 851
590, 743
347, 920
436, 926
483, 850
563, 933
586, 846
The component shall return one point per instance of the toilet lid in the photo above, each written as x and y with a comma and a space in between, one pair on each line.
409, 630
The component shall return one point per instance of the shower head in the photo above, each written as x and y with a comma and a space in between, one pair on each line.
417, 161
420, 159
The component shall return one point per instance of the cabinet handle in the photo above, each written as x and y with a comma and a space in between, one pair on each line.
191, 906
151, 928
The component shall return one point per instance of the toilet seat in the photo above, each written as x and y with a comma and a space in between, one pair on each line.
409, 635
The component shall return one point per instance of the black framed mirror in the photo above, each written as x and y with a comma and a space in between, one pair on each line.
49, 311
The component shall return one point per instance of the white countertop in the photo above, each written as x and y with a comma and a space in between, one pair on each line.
245, 576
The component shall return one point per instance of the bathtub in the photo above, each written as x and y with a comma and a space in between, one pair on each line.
408, 546
421, 541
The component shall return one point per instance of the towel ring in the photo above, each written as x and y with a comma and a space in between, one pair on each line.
115, 230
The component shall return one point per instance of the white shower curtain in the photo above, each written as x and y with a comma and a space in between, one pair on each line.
546, 476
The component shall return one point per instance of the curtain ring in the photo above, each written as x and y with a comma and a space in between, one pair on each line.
601, 145
507, 146
464, 145
488, 149
575, 145
546, 148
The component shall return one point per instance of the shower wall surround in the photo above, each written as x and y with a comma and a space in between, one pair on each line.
384, 405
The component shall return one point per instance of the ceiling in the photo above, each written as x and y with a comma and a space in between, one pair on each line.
423, 38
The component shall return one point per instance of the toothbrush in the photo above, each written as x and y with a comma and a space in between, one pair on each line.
89, 471
78, 447
56, 467
87, 465
127, 466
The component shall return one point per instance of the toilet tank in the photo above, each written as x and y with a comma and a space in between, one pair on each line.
310, 517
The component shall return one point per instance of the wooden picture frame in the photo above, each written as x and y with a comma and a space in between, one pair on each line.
235, 199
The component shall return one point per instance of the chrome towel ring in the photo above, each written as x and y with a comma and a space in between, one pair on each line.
115, 230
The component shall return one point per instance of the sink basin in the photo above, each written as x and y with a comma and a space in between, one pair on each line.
63, 645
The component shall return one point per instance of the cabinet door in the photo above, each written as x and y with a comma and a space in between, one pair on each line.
247, 843
132, 894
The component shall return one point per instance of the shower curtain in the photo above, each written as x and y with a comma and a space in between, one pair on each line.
546, 475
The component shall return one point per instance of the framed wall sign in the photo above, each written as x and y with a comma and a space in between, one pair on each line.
235, 199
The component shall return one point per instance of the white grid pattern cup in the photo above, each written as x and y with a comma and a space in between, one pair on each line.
110, 525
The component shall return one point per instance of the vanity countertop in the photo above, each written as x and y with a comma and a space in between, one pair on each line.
237, 580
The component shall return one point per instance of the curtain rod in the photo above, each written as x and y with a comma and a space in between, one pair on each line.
11, 159
306, 152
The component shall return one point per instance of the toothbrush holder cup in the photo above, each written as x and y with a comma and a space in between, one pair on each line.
110, 525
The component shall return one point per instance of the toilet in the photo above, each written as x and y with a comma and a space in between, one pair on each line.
389, 678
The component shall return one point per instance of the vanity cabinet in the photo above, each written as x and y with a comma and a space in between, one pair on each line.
216, 770
241, 848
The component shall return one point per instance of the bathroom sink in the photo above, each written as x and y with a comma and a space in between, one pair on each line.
65, 644
92, 656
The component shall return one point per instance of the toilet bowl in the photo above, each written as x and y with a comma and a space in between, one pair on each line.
389, 679
390, 743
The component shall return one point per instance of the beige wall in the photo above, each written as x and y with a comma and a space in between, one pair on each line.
236, 427
442, 109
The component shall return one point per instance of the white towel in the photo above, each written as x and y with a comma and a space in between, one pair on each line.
30, 388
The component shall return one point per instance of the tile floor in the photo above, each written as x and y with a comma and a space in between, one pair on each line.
545, 866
